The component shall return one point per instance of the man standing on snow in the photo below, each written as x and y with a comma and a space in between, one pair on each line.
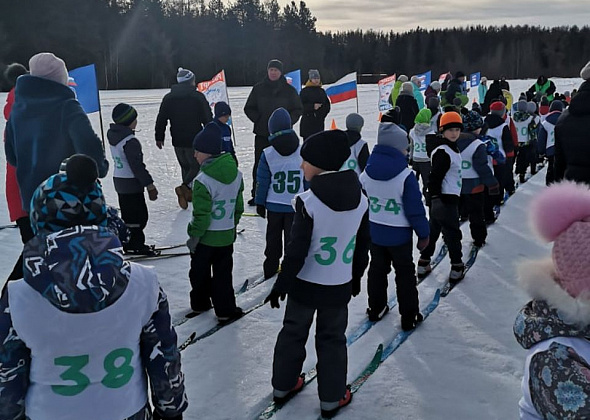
271, 93
188, 112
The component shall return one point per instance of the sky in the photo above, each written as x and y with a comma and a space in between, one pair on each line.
401, 16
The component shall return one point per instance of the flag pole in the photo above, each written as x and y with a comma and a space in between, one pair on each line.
233, 131
357, 93
100, 113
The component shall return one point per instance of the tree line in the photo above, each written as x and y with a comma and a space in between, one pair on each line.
140, 43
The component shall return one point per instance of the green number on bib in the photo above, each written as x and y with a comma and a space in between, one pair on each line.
375, 206
118, 376
219, 210
328, 246
74, 374
293, 181
349, 251
233, 210
352, 164
279, 185
118, 163
524, 130
465, 164
392, 206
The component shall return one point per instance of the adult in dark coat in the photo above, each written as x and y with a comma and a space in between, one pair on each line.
316, 106
504, 85
408, 106
493, 94
543, 86
456, 87
188, 112
572, 137
271, 93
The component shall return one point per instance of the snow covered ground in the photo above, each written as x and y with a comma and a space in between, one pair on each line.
462, 363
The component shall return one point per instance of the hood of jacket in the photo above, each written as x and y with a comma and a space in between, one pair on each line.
341, 191
580, 104
78, 270
182, 89
285, 142
31, 91
493, 120
222, 168
385, 163
118, 132
553, 116
552, 312
422, 129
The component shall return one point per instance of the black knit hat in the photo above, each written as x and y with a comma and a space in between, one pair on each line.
327, 150
394, 115
12, 72
124, 114
209, 140
275, 64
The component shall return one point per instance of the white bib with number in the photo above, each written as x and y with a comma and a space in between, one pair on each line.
451, 183
522, 130
419, 146
386, 199
85, 365
121, 168
550, 128
353, 160
467, 170
223, 200
329, 259
286, 176
496, 133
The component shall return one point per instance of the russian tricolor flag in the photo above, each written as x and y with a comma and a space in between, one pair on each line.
342, 90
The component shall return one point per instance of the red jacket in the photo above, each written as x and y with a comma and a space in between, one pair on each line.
13, 198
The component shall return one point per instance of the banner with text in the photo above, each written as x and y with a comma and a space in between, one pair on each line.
215, 90
385, 87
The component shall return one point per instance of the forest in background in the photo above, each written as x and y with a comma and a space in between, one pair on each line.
139, 44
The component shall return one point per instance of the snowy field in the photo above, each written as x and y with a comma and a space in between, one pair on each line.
462, 363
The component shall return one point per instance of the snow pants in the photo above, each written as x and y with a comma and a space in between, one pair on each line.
550, 177
189, 167
134, 213
474, 208
278, 227
260, 143
444, 218
382, 257
526, 157
330, 344
211, 279
422, 170
508, 177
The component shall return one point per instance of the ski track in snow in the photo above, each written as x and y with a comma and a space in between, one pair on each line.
462, 363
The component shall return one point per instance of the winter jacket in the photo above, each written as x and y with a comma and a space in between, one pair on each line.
265, 97
482, 90
286, 143
409, 109
480, 165
134, 155
494, 121
504, 85
312, 120
223, 169
418, 96
397, 87
59, 259
353, 138
492, 95
384, 164
440, 165
228, 144
548, 88
47, 125
556, 383
340, 191
429, 93
420, 131
188, 112
13, 198
455, 90
572, 139
542, 148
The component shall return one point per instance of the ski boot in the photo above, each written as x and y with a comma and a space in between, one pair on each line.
330, 409
281, 397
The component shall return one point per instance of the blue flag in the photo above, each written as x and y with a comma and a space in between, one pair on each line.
425, 79
83, 82
294, 79
474, 79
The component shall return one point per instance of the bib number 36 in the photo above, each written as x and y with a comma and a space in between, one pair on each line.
330, 254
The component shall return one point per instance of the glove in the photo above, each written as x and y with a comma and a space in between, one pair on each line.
261, 210
158, 416
159, 144
427, 199
273, 298
494, 189
436, 205
192, 243
356, 286
152, 192
423, 243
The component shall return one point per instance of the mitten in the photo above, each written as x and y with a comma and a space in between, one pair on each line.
423, 243
261, 210
274, 297
356, 286
192, 243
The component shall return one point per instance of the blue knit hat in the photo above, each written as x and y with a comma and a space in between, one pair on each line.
69, 199
279, 120
221, 109
209, 140
472, 120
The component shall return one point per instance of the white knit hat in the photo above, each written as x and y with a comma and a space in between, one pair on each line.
50, 67
585, 72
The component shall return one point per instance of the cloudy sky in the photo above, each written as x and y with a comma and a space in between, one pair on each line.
401, 16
